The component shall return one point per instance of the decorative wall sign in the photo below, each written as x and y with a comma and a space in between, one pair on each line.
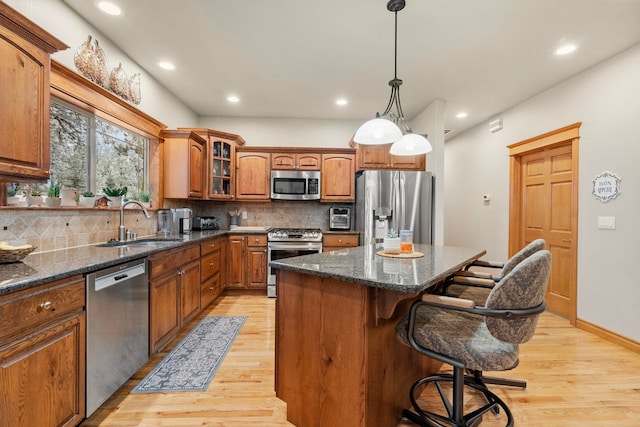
606, 186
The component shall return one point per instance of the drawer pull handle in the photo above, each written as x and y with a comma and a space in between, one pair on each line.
47, 306
210, 264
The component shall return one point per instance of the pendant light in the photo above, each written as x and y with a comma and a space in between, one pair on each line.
391, 126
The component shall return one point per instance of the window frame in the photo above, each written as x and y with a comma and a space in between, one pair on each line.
71, 88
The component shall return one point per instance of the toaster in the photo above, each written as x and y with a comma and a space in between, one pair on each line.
205, 223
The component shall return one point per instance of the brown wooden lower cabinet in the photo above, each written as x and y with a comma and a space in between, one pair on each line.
174, 293
212, 252
248, 261
42, 355
332, 242
189, 292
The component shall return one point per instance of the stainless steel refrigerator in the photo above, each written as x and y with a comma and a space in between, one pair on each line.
398, 200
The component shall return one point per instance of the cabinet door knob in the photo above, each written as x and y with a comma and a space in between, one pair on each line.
210, 264
339, 240
48, 305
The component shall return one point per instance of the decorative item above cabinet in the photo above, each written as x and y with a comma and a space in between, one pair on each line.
25, 50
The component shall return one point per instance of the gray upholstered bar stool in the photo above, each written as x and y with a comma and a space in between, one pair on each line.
476, 285
478, 338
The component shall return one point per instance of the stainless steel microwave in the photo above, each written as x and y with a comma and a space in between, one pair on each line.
295, 185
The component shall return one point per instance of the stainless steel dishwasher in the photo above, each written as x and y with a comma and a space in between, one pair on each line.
117, 328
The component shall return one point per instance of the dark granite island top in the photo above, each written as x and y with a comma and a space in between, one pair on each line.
338, 361
362, 265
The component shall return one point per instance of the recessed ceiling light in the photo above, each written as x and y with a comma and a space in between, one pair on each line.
109, 8
233, 98
166, 65
461, 115
566, 49
342, 101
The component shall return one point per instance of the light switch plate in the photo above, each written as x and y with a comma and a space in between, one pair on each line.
607, 222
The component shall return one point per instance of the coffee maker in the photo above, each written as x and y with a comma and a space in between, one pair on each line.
182, 220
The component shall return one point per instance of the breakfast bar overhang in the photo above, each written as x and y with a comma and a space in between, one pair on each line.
337, 360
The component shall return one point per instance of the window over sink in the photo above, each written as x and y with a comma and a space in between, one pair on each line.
89, 153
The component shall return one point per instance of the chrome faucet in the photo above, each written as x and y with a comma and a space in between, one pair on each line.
121, 229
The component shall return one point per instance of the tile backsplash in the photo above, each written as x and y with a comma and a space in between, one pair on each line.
51, 229
308, 214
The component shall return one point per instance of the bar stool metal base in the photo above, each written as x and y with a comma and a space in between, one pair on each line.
454, 410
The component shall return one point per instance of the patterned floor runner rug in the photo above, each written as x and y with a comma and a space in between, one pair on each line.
191, 365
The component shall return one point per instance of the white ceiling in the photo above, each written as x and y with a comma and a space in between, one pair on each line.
294, 58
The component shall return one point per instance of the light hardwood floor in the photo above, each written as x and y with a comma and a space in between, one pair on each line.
574, 379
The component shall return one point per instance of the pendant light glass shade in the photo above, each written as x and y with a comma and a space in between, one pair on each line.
411, 144
391, 126
377, 132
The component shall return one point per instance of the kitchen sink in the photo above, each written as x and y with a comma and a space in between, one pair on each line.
149, 243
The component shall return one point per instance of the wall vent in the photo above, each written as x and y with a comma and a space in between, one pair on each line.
495, 125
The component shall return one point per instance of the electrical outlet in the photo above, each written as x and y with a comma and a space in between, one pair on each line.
244, 215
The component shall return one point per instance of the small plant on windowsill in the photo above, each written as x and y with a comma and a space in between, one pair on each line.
53, 194
87, 199
34, 198
145, 198
15, 197
115, 195
12, 190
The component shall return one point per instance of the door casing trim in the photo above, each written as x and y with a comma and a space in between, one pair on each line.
566, 135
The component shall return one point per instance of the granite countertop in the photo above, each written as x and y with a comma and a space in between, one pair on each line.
362, 265
38, 268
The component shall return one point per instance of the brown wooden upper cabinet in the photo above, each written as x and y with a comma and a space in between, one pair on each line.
220, 168
378, 157
295, 161
338, 178
253, 176
25, 66
184, 164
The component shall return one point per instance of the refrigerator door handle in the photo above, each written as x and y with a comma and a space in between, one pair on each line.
402, 203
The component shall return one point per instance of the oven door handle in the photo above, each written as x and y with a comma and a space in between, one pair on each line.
272, 246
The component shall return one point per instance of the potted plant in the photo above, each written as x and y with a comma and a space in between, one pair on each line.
145, 198
13, 198
34, 198
53, 194
115, 195
87, 199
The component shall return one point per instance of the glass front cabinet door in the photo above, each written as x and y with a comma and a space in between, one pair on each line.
221, 177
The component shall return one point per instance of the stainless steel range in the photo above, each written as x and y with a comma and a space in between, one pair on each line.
287, 243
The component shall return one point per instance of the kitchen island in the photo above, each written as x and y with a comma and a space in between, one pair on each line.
338, 361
